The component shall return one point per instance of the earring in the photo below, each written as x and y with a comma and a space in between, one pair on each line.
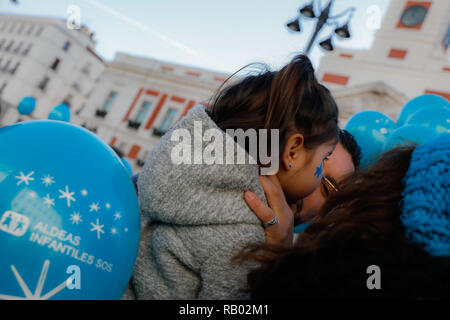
290, 165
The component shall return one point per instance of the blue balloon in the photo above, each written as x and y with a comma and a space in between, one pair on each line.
434, 118
61, 112
371, 130
418, 103
26, 106
409, 135
127, 166
69, 214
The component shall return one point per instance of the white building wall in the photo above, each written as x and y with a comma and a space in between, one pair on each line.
423, 68
137, 80
36, 46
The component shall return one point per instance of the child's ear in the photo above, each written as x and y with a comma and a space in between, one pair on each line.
293, 150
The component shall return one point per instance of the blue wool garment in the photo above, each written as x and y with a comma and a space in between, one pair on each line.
426, 197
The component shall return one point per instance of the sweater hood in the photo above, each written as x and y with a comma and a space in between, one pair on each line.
196, 194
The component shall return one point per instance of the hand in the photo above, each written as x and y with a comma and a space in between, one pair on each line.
283, 231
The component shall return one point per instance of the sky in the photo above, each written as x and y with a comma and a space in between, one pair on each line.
220, 35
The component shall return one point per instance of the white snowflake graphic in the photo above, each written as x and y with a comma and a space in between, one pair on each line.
40, 285
114, 231
94, 207
117, 216
49, 202
97, 227
126, 229
108, 206
25, 178
75, 218
84, 192
67, 195
48, 180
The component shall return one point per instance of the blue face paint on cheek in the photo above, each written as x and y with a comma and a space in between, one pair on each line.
318, 173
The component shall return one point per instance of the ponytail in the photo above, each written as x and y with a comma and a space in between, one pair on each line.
290, 100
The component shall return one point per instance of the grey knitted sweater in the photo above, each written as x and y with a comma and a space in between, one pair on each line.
194, 220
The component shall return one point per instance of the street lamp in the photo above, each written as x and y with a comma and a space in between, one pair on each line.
323, 19
294, 25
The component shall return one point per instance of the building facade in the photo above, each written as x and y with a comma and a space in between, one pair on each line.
409, 56
138, 99
43, 58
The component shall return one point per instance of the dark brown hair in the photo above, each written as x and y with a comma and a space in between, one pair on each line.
291, 100
357, 227
349, 143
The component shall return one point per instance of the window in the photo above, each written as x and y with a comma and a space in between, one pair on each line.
122, 146
14, 69
76, 87
109, 101
19, 46
10, 44
141, 160
43, 84
21, 27
140, 116
27, 49
6, 66
55, 64
86, 69
30, 29
81, 109
2, 88
2, 43
169, 119
67, 100
446, 41
107, 105
66, 46
39, 31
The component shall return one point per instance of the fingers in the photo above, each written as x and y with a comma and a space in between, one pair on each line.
262, 211
273, 194
274, 179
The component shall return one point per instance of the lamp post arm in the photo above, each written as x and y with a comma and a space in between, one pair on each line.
321, 21
351, 9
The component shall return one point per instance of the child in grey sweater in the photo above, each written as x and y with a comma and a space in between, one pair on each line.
194, 216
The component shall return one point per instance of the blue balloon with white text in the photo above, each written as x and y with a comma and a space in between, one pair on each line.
371, 130
69, 214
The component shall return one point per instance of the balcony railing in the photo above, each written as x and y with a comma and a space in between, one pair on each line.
158, 132
133, 124
140, 162
101, 113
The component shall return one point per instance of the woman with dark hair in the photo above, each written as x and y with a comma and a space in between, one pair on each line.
194, 217
394, 216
